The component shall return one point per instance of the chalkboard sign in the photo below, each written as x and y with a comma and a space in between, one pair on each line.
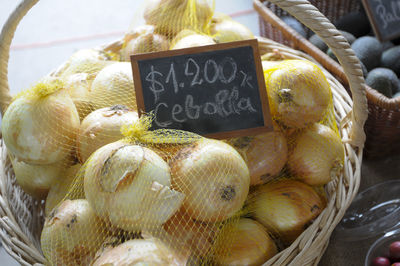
384, 16
214, 90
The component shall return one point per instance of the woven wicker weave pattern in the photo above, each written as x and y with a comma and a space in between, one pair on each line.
20, 237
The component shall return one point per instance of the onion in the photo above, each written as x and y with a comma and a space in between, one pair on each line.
245, 242
214, 178
317, 156
189, 236
265, 154
139, 252
144, 43
102, 127
72, 234
129, 186
59, 189
229, 30
36, 180
81, 60
40, 126
78, 87
114, 85
186, 39
285, 208
267, 64
171, 16
298, 93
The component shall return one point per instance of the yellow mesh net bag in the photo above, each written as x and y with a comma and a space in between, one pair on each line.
118, 193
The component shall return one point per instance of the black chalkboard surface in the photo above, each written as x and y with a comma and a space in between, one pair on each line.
214, 90
384, 16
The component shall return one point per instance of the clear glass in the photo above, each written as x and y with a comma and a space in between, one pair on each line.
373, 212
381, 246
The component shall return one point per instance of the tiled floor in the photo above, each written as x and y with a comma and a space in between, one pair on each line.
53, 30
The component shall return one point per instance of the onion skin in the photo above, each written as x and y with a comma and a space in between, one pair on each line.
102, 127
145, 43
138, 252
171, 16
214, 178
113, 85
298, 93
317, 156
36, 180
229, 31
59, 189
246, 243
285, 208
41, 131
72, 234
129, 186
265, 155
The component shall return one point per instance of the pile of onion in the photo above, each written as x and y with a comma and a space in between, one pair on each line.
244, 242
187, 39
59, 189
214, 178
40, 126
72, 234
129, 186
317, 155
102, 127
114, 85
149, 251
265, 154
171, 16
298, 93
285, 207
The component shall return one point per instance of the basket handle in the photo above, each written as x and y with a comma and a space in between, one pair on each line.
310, 16
6, 36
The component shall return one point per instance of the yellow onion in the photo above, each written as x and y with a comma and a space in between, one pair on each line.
171, 16
72, 234
265, 154
285, 207
229, 30
78, 87
317, 156
36, 180
40, 126
267, 64
129, 186
146, 42
59, 189
102, 127
192, 238
114, 85
214, 178
298, 93
187, 39
138, 252
245, 242
219, 17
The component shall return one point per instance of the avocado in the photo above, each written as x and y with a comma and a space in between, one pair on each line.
387, 45
364, 69
318, 42
369, 50
348, 36
331, 54
294, 24
383, 80
391, 59
354, 22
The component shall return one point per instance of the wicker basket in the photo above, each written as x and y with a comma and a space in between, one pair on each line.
22, 217
382, 127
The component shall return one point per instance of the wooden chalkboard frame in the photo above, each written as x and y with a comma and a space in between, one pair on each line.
208, 48
374, 22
